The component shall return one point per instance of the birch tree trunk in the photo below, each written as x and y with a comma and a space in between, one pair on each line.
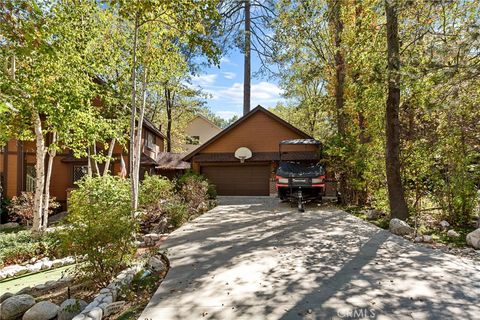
133, 117
109, 156
396, 197
89, 163
138, 139
46, 201
95, 162
40, 172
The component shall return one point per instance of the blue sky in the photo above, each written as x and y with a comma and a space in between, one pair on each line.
225, 85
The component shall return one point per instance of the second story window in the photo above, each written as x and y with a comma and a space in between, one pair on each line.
194, 140
150, 140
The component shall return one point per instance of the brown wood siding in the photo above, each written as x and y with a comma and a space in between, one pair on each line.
62, 179
239, 179
12, 170
259, 133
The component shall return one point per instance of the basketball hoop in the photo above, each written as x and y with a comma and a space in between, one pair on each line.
243, 153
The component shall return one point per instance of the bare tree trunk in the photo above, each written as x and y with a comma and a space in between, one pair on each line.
337, 25
138, 141
247, 62
109, 156
40, 172
133, 116
396, 197
46, 201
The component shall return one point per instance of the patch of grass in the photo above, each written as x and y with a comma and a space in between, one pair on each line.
381, 222
441, 236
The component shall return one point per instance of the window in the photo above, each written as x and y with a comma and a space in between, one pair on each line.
195, 140
79, 172
30, 175
150, 140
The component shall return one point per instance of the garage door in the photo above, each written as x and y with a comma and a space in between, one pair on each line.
239, 180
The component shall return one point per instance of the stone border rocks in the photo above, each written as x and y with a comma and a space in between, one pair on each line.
40, 265
42, 288
105, 303
151, 239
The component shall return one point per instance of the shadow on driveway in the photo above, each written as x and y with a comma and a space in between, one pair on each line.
252, 258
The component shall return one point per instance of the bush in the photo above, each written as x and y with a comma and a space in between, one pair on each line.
21, 207
100, 227
177, 214
154, 189
21, 246
195, 191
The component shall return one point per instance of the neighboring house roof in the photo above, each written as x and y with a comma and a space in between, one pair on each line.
147, 123
240, 121
257, 156
171, 161
206, 119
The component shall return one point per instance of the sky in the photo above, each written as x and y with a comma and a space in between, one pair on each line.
225, 86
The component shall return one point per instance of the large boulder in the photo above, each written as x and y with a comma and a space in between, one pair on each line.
70, 308
44, 310
399, 227
156, 264
14, 307
473, 239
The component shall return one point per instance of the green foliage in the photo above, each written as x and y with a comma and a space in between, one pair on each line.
439, 112
177, 213
100, 226
20, 246
154, 189
195, 191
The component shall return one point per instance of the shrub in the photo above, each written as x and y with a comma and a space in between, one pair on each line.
101, 227
195, 191
21, 207
154, 189
20, 246
177, 214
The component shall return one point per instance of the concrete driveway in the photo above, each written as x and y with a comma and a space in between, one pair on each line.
252, 258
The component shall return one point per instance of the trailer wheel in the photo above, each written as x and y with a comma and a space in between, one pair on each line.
301, 206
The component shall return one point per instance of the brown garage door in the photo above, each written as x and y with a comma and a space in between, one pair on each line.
239, 180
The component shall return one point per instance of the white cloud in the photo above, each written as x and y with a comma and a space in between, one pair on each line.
266, 91
226, 114
227, 61
224, 60
205, 80
261, 93
229, 75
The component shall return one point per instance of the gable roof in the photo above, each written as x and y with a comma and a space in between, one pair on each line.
201, 116
147, 123
242, 120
